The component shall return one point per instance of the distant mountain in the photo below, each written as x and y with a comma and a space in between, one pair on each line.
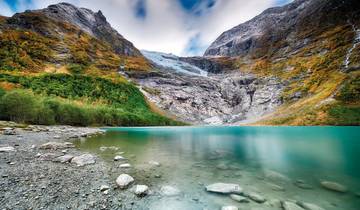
285, 29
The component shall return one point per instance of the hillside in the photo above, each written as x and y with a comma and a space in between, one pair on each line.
65, 62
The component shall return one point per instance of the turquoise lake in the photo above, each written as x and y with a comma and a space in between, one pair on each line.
259, 159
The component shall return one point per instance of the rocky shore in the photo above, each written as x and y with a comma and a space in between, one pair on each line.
41, 169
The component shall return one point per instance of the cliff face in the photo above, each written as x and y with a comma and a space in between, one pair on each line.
286, 28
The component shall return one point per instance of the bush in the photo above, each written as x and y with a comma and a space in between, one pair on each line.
76, 68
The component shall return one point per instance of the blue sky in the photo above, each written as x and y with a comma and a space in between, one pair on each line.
182, 27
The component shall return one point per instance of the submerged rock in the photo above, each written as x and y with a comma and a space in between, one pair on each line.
255, 197
7, 149
141, 190
64, 158
303, 185
224, 188
118, 158
125, 165
334, 186
229, 208
9, 131
309, 206
287, 205
276, 176
169, 191
239, 198
85, 159
124, 180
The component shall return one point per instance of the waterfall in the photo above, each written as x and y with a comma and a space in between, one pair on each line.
356, 42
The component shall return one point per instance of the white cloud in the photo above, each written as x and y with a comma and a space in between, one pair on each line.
5, 10
167, 26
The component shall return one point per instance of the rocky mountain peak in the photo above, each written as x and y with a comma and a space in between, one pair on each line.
90, 22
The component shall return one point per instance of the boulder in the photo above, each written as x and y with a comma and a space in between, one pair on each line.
83, 160
169, 191
7, 149
334, 186
48, 156
224, 188
63, 159
124, 180
9, 131
141, 190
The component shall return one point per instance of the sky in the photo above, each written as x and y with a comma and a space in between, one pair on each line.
180, 27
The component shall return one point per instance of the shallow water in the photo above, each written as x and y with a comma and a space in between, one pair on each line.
256, 158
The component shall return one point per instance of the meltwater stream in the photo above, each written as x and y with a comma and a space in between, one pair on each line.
266, 160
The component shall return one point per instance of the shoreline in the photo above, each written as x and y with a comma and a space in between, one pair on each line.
30, 179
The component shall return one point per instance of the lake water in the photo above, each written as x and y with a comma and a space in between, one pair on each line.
259, 159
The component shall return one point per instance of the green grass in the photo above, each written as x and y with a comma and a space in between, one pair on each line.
77, 100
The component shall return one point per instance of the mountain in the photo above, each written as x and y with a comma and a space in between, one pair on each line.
65, 65
295, 65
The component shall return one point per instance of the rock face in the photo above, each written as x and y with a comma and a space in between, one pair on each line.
91, 22
257, 36
224, 188
217, 99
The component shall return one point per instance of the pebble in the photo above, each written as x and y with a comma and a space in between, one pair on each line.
125, 165
7, 149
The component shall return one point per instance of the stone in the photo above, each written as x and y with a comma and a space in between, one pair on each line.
334, 186
57, 137
85, 159
141, 190
229, 208
56, 145
275, 176
274, 203
125, 165
7, 149
224, 188
303, 185
239, 198
118, 158
9, 131
287, 205
104, 188
154, 163
169, 191
63, 159
276, 187
124, 180
48, 156
255, 197
309, 206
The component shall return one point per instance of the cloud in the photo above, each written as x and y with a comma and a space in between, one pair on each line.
182, 27
5, 9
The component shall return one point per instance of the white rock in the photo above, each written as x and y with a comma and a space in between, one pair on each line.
56, 145
124, 180
309, 206
229, 208
118, 157
141, 190
125, 165
57, 137
224, 188
169, 191
64, 158
83, 160
334, 186
154, 163
7, 149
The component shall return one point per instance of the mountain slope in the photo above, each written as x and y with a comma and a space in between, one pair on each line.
62, 65
312, 47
